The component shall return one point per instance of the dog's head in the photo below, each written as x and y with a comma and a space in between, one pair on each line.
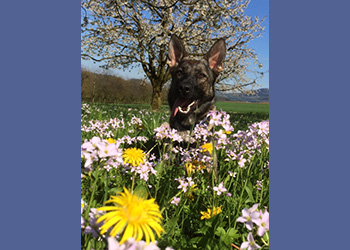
192, 92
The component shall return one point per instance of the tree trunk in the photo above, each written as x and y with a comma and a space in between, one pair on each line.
156, 101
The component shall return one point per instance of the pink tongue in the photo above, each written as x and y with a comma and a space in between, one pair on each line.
174, 111
179, 102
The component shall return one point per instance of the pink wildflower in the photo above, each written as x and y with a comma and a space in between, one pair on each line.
220, 189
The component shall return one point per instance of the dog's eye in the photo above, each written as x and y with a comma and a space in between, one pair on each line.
202, 75
179, 73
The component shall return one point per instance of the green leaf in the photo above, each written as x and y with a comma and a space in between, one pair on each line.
171, 225
115, 190
159, 168
141, 191
233, 233
266, 237
224, 237
195, 240
250, 195
220, 231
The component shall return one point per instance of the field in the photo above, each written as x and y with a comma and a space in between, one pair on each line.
234, 107
240, 107
145, 186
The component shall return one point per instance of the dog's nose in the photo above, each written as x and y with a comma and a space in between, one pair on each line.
184, 89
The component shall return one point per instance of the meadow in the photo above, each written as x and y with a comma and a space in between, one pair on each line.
241, 107
145, 186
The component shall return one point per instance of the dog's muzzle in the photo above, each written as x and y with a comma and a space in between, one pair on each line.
185, 89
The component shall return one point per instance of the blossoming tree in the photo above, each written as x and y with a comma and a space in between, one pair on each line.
125, 34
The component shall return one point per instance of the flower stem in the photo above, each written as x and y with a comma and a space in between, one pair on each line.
133, 183
235, 246
264, 242
106, 188
92, 197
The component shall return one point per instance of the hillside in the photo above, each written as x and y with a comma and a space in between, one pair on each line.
104, 88
260, 95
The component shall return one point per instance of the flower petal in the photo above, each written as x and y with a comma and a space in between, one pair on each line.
128, 233
261, 231
241, 219
244, 245
118, 227
139, 234
112, 243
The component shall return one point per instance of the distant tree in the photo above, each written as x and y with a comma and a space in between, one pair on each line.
124, 33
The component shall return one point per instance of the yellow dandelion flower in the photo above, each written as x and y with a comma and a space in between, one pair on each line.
205, 215
132, 216
207, 147
133, 156
191, 192
111, 140
210, 213
216, 210
200, 166
190, 168
226, 132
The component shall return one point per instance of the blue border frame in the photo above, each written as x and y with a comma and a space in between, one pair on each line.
309, 114
40, 124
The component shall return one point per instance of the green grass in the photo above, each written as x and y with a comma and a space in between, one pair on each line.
231, 107
240, 107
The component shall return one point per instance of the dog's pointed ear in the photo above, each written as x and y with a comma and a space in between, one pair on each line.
176, 51
216, 55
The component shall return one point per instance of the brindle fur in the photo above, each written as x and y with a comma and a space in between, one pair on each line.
193, 80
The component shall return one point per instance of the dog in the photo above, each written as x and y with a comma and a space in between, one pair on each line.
192, 91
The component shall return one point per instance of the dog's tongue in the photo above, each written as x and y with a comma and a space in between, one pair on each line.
179, 102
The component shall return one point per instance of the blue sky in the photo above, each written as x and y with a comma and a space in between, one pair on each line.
258, 8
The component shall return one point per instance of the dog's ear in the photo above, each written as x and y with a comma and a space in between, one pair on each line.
216, 55
176, 51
